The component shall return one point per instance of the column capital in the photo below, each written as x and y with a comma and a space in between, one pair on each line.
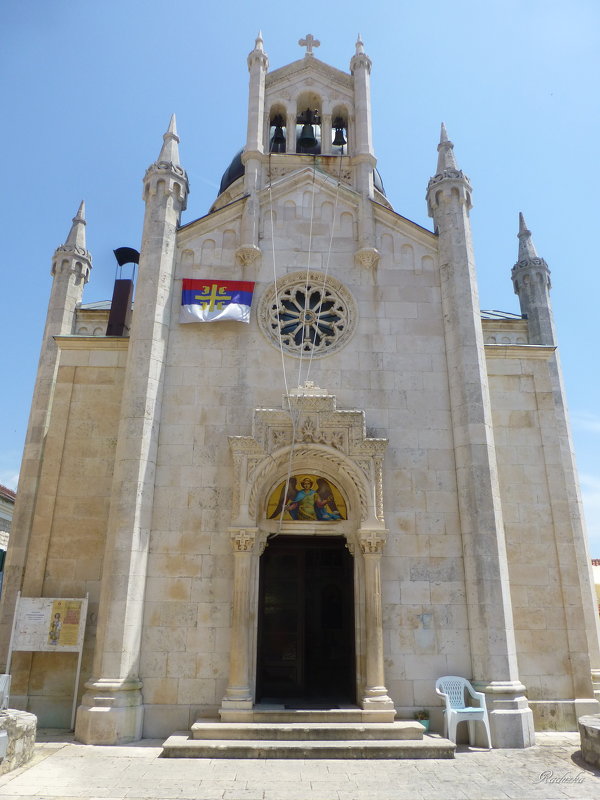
372, 541
243, 539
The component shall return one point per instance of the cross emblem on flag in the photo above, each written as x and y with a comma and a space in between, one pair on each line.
214, 296
215, 301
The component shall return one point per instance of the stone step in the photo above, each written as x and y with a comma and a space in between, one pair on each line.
282, 714
303, 731
180, 745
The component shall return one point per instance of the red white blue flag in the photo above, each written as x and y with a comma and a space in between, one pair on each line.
215, 301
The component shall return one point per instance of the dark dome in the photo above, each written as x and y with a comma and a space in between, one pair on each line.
234, 171
377, 182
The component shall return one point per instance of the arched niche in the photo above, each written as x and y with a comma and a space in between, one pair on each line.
340, 143
309, 109
313, 435
278, 129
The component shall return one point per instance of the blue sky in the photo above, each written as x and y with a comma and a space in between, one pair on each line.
88, 88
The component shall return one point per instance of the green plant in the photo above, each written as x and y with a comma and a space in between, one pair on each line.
422, 714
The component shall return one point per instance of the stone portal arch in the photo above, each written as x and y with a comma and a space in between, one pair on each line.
308, 435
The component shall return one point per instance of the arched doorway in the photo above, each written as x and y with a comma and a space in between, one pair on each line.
306, 633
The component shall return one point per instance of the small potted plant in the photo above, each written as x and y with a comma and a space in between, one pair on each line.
422, 716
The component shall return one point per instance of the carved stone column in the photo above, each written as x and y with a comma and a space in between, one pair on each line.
239, 692
290, 132
376, 696
326, 134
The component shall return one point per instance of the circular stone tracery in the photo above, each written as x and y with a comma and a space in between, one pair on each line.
312, 314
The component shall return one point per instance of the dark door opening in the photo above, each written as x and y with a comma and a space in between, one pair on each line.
306, 622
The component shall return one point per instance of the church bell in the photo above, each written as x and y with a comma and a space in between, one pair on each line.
307, 141
307, 138
339, 140
278, 139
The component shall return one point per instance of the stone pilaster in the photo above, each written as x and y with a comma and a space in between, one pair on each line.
376, 695
112, 709
491, 628
239, 692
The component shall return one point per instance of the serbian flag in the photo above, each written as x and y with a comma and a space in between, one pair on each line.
214, 301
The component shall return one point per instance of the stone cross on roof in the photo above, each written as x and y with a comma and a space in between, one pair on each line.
309, 43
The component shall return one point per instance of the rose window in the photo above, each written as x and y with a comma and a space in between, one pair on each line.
308, 316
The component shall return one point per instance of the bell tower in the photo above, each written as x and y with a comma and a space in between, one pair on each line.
304, 116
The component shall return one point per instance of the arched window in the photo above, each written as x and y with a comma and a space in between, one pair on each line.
339, 131
308, 124
277, 129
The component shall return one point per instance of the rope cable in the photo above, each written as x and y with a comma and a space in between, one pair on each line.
310, 234
292, 412
337, 195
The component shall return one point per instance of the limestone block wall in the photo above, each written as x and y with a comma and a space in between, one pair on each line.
67, 548
543, 533
21, 729
394, 367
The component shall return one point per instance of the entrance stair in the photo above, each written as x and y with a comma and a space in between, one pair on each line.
306, 734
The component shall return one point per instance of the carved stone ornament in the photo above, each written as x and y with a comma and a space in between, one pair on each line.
448, 174
243, 539
247, 254
307, 314
367, 257
308, 432
371, 542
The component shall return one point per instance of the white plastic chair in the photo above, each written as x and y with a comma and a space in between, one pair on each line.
452, 689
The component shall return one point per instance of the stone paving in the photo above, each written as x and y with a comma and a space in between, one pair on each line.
64, 770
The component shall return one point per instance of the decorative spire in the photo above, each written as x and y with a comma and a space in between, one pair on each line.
74, 252
527, 249
258, 57
76, 237
531, 282
169, 153
360, 58
445, 148
447, 174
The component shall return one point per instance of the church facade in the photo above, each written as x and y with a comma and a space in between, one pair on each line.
358, 486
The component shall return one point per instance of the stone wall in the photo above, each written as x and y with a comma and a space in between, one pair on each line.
67, 550
393, 367
21, 728
538, 498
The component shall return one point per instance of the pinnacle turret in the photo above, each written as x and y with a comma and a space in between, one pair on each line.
72, 256
531, 281
169, 153
167, 171
448, 180
526, 246
446, 159
360, 58
71, 266
258, 57
76, 238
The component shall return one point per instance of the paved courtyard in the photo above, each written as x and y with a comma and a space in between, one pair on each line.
64, 770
